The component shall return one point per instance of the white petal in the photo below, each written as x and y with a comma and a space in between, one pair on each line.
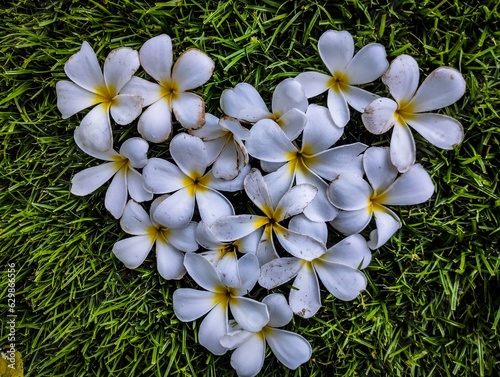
387, 224
84, 69
292, 123
212, 205
169, 261
189, 110
379, 117
339, 110
290, 348
248, 358
90, 179
161, 176
304, 298
190, 154
320, 132
94, 132
214, 147
315, 229
439, 130
227, 268
402, 147
193, 69
268, 142
177, 210
117, 194
352, 251
249, 268
72, 98
251, 315
278, 271
244, 102
379, 169
300, 245
350, 222
266, 251
235, 127
231, 228
126, 108
342, 281
235, 338
368, 64
133, 251
136, 150
280, 181
205, 237
184, 238
202, 272
336, 49
248, 244
413, 187
257, 191
119, 67
313, 83
190, 304
230, 161
135, 185
358, 98
211, 130
213, 327
295, 200
155, 123
135, 219
156, 57
343, 159
233, 185
289, 95
280, 313
402, 78
443, 87
149, 91
349, 192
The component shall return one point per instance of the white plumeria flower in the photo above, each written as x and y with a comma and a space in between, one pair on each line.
289, 104
169, 243
337, 268
171, 92
89, 86
293, 202
224, 142
441, 88
310, 163
336, 49
223, 255
359, 200
189, 184
190, 304
291, 349
127, 180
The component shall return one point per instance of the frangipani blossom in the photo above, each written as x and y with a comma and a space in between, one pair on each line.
224, 142
171, 93
311, 163
337, 268
223, 255
336, 49
291, 349
189, 184
293, 202
89, 86
127, 180
169, 243
441, 88
359, 200
217, 298
289, 104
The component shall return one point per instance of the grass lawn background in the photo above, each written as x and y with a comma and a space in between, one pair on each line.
432, 305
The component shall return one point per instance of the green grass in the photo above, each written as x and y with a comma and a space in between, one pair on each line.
432, 306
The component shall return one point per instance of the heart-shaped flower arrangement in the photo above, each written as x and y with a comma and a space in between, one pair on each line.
285, 162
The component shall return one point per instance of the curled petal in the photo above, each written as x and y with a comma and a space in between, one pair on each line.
403, 148
292, 123
336, 49
211, 130
280, 313
177, 210
304, 298
378, 117
313, 83
443, 87
339, 110
230, 161
349, 192
117, 194
119, 67
169, 261
72, 98
289, 95
342, 281
190, 304
136, 150
189, 110
156, 57
193, 69
368, 64
90, 179
133, 251
84, 69
290, 348
387, 224
235, 127
413, 187
402, 78
278, 271
94, 132
439, 130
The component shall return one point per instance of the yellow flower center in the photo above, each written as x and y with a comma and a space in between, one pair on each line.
339, 82
170, 90
105, 94
404, 112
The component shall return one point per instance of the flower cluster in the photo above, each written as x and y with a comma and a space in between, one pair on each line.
303, 190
